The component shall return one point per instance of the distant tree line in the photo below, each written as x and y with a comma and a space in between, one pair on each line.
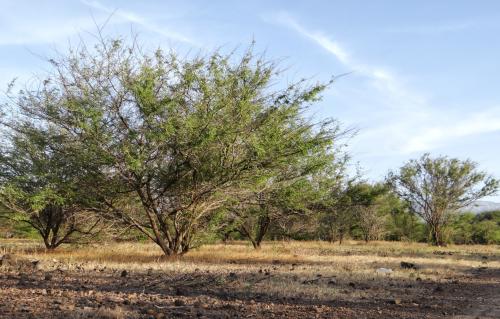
188, 150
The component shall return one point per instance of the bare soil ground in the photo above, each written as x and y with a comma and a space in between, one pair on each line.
283, 280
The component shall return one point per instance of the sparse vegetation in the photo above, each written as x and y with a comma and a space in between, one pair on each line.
436, 188
279, 279
201, 187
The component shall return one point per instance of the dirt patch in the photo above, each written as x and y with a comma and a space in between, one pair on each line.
54, 290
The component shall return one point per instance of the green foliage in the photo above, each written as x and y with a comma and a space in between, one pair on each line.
189, 150
180, 137
44, 182
483, 228
405, 226
436, 188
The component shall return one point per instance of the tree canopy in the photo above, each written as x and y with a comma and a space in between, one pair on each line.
436, 188
178, 137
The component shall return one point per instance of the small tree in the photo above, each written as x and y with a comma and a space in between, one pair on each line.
41, 187
272, 208
402, 223
371, 221
336, 209
287, 197
369, 204
436, 188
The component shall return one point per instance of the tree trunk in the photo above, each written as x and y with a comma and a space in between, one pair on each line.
264, 222
49, 245
437, 236
255, 244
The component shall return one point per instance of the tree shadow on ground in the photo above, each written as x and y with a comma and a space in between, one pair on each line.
230, 293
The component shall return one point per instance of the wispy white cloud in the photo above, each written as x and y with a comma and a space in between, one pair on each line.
318, 37
140, 21
382, 78
436, 134
405, 121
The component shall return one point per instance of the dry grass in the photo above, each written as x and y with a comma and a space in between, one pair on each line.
351, 256
318, 271
290, 263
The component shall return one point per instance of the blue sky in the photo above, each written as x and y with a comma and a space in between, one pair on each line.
425, 74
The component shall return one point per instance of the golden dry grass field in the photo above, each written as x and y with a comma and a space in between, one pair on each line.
282, 280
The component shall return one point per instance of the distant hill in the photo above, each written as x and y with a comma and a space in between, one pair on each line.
481, 206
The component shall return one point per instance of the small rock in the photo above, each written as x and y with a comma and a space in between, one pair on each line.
438, 289
386, 271
124, 273
395, 301
407, 265
179, 291
47, 277
23, 279
332, 282
179, 303
232, 275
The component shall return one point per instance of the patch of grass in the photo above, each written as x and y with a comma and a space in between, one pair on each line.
317, 270
351, 257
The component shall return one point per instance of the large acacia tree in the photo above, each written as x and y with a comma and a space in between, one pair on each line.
436, 188
175, 137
